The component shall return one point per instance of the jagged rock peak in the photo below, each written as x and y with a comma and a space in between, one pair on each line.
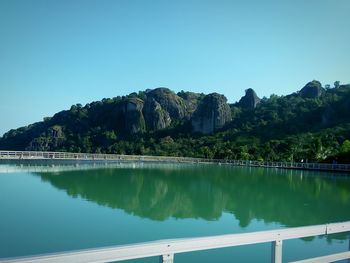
249, 100
311, 90
212, 113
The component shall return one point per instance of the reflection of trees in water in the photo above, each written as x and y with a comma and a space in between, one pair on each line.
282, 196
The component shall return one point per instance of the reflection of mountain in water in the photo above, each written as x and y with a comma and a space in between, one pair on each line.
206, 191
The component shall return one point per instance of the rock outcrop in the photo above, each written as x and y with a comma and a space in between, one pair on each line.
191, 100
155, 116
169, 101
162, 107
134, 120
249, 100
212, 113
311, 90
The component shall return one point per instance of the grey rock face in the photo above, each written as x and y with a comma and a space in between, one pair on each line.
162, 107
169, 101
311, 90
212, 113
249, 100
191, 100
155, 116
134, 121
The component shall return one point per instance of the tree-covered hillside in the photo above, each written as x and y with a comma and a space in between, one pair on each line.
312, 124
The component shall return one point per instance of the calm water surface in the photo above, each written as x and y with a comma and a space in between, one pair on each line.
66, 207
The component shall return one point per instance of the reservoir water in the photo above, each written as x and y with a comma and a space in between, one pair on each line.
52, 208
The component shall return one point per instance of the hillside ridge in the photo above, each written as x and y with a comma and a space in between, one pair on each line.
310, 124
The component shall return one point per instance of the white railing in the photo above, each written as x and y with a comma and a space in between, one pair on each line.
166, 249
34, 155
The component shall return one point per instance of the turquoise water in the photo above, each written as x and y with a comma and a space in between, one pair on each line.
57, 208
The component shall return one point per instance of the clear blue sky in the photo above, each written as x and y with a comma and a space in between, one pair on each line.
57, 53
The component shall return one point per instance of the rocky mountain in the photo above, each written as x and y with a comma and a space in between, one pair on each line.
312, 124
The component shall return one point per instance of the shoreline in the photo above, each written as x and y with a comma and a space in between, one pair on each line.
54, 157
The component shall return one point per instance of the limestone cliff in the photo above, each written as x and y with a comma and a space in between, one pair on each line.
134, 120
169, 101
191, 100
155, 116
162, 107
212, 113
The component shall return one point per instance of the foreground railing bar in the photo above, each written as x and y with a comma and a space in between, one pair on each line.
170, 247
334, 228
326, 259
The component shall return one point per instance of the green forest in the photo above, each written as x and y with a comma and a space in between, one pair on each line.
312, 124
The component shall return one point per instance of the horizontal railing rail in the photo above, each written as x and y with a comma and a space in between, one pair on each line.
36, 155
166, 249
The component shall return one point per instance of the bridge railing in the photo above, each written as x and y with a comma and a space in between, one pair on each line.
166, 249
120, 157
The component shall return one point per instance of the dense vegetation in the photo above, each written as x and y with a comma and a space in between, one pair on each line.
310, 125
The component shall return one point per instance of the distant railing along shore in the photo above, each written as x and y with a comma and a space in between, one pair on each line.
166, 249
36, 155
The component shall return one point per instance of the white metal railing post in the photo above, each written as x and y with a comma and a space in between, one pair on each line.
167, 258
349, 245
276, 251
